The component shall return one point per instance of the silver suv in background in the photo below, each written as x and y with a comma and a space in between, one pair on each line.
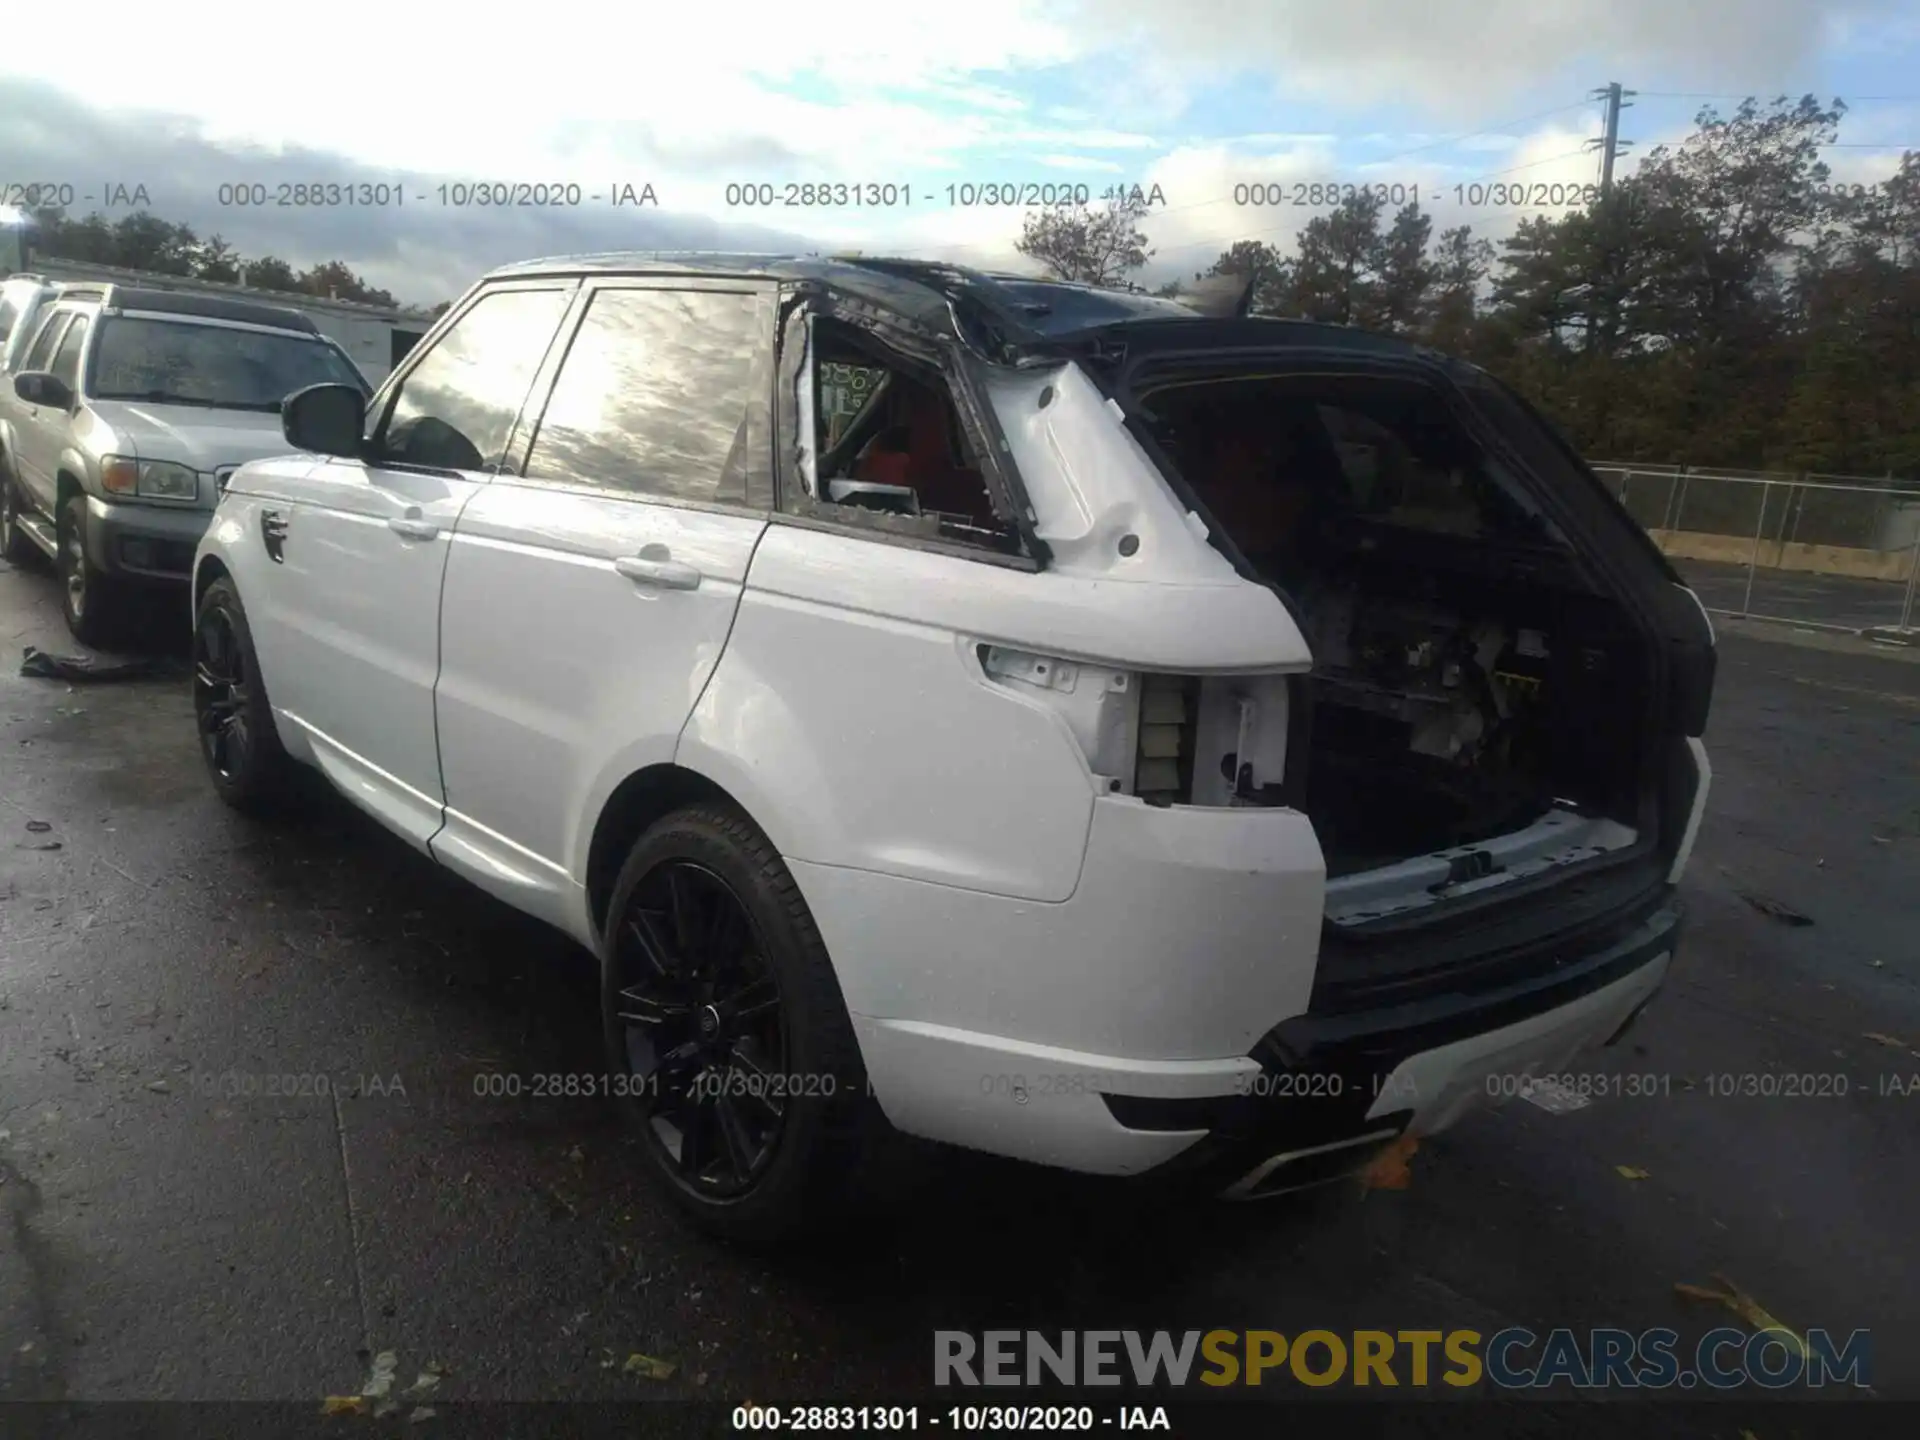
121, 416
23, 299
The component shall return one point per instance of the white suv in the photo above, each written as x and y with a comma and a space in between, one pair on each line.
1042, 719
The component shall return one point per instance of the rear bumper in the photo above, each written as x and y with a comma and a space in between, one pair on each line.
1315, 1099
145, 541
1333, 1089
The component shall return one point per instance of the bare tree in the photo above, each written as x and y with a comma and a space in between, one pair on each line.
1095, 247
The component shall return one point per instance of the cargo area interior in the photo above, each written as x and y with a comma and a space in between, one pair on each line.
1478, 699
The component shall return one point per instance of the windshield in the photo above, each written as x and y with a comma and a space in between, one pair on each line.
183, 363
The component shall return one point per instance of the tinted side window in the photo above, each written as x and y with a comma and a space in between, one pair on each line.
43, 343
455, 410
663, 392
66, 360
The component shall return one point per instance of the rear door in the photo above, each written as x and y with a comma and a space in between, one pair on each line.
359, 550
591, 587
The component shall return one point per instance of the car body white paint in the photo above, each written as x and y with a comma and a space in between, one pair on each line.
994, 912
584, 675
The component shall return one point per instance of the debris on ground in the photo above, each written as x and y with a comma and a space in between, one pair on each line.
647, 1366
343, 1405
1631, 1172
1743, 1305
380, 1382
49, 845
1388, 1170
1774, 910
1879, 1039
39, 827
37, 664
559, 1207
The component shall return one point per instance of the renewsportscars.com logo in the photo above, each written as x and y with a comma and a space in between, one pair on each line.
1511, 1359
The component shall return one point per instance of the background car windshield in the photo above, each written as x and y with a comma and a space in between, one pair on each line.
190, 364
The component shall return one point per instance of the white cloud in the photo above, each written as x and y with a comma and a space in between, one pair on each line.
1217, 196
912, 94
1457, 58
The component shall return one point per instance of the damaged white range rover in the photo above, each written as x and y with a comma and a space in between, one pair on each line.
1051, 721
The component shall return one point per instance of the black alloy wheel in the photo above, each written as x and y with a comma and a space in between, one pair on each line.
705, 1032
222, 695
249, 768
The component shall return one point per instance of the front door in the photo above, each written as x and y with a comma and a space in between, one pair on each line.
361, 550
589, 595
39, 429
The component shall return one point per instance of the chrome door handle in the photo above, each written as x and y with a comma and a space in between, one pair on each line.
413, 529
661, 572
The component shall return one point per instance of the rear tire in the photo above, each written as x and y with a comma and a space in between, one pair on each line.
232, 714
728, 1043
92, 600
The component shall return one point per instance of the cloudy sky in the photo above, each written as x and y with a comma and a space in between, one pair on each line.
1194, 96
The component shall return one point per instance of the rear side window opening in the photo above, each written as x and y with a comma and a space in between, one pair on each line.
888, 448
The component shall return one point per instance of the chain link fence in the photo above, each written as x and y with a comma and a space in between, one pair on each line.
1837, 552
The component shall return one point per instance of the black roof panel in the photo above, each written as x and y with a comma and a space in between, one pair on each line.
1028, 313
208, 307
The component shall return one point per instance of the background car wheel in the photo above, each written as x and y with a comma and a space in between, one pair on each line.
725, 1029
91, 599
15, 547
238, 741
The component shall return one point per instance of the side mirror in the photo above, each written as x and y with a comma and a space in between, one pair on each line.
325, 419
40, 387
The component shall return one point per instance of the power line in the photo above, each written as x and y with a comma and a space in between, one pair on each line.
1222, 243
1483, 130
1608, 144
1755, 95
1495, 127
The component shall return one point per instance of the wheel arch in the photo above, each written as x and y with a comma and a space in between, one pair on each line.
66, 485
636, 803
208, 569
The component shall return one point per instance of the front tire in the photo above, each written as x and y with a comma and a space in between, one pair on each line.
234, 718
15, 547
91, 599
726, 1034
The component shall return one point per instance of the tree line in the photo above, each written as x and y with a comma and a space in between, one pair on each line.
143, 241
1725, 305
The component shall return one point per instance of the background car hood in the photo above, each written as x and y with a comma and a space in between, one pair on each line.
190, 434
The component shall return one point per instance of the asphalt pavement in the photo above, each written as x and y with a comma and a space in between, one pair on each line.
160, 1240
1846, 601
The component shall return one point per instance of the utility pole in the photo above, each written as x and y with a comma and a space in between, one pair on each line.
1610, 143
